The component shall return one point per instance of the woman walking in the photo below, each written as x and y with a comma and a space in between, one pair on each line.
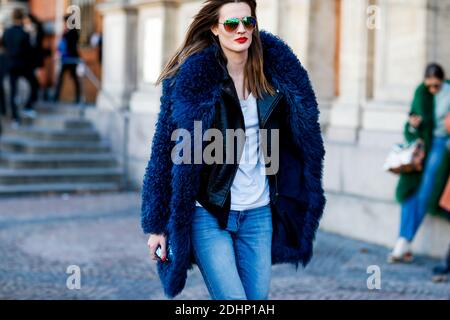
233, 218
419, 192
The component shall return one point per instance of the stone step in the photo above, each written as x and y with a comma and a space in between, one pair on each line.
45, 108
48, 188
39, 176
57, 121
49, 134
78, 124
12, 143
18, 160
57, 151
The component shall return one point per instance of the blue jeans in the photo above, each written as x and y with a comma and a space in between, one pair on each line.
415, 207
236, 262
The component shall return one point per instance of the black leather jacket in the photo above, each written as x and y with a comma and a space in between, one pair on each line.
216, 179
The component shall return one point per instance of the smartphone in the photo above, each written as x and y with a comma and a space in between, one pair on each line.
168, 255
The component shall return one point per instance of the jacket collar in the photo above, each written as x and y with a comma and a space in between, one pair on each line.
265, 105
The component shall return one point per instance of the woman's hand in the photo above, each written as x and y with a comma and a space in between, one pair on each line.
415, 121
154, 241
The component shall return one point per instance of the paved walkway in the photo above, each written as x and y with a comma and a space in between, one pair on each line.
41, 236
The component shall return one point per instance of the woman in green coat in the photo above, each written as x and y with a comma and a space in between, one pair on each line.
419, 192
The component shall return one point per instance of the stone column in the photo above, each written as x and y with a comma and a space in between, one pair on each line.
157, 42
119, 54
401, 51
411, 35
157, 27
320, 53
293, 17
438, 26
298, 22
345, 117
268, 13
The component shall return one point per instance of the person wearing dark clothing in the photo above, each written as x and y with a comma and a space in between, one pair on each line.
18, 52
36, 32
100, 48
2, 89
68, 49
2, 77
38, 53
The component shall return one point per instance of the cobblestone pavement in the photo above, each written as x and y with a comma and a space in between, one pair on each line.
41, 236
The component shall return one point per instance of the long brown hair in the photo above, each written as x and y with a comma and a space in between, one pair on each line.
199, 36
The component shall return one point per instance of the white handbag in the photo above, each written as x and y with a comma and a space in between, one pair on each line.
405, 158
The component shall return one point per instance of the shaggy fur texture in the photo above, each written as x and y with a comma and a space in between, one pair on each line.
168, 194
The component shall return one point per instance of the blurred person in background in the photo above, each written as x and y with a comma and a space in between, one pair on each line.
440, 273
70, 57
19, 63
36, 32
2, 77
419, 192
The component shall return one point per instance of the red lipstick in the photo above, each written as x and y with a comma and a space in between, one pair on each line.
241, 40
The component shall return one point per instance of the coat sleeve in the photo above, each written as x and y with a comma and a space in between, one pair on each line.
303, 113
409, 132
156, 189
304, 121
313, 167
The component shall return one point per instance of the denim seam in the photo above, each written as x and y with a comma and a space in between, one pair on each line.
237, 257
238, 221
238, 261
208, 283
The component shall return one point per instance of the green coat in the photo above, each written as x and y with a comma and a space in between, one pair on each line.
423, 105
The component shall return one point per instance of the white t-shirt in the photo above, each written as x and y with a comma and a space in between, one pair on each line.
250, 188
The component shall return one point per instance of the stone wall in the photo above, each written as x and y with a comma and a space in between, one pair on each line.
374, 69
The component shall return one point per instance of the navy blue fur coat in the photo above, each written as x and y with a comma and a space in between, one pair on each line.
169, 190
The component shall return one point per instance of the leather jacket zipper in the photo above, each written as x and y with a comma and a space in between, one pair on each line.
265, 122
229, 187
241, 115
237, 166
276, 188
271, 110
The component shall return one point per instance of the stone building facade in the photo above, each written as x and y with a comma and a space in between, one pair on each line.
50, 13
365, 58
